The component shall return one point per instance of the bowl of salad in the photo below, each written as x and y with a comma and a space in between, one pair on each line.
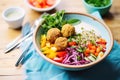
72, 41
42, 5
102, 6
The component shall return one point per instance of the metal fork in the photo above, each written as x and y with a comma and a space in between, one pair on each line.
36, 24
20, 61
24, 32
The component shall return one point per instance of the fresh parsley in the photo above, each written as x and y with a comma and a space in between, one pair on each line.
98, 3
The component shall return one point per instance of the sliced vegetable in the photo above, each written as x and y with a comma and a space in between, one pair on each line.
100, 55
101, 41
42, 3
50, 2
61, 53
43, 41
72, 43
58, 59
96, 54
91, 58
51, 54
82, 48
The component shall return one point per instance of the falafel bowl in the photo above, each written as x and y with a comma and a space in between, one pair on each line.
72, 41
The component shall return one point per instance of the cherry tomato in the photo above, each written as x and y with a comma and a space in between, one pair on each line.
87, 51
89, 45
72, 43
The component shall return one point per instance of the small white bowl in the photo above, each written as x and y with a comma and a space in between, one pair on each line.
14, 16
42, 9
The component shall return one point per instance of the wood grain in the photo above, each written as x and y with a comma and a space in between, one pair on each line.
7, 61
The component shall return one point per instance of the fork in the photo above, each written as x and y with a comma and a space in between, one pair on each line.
24, 32
36, 24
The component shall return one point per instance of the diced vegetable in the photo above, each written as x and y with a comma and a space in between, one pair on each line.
100, 55
43, 41
54, 48
61, 53
91, 58
51, 54
98, 50
96, 54
81, 48
58, 59
72, 43
87, 59
50, 2
42, 3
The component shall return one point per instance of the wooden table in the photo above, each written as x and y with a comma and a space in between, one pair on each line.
7, 61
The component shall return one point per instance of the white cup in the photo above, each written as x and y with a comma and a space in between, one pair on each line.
14, 16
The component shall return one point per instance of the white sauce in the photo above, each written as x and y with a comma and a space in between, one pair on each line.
86, 26
14, 15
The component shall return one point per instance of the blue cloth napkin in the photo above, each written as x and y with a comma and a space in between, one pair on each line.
36, 68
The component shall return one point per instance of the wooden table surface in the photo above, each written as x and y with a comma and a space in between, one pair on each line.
7, 61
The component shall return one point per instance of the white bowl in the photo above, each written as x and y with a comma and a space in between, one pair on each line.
14, 16
42, 9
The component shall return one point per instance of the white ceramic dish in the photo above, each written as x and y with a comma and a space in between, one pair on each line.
89, 22
14, 16
42, 9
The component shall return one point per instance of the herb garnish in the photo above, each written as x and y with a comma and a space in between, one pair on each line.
56, 21
98, 3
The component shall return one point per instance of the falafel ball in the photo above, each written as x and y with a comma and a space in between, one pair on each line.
61, 43
68, 30
53, 34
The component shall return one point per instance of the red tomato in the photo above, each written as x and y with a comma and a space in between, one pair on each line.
89, 45
87, 51
50, 2
103, 50
96, 54
101, 41
98, 49
92, 51
93, 47
39, 1
86, 54
58, 59
61, 53
72, 43
36, 4
31, 1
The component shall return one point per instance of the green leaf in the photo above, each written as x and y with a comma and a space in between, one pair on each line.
73, 21
78, 58
98, 3
80, 50
56, 20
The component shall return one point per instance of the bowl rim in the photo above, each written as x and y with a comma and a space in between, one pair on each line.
75, 66
111, 1
42, 9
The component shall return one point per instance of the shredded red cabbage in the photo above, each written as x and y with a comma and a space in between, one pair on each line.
73, 57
